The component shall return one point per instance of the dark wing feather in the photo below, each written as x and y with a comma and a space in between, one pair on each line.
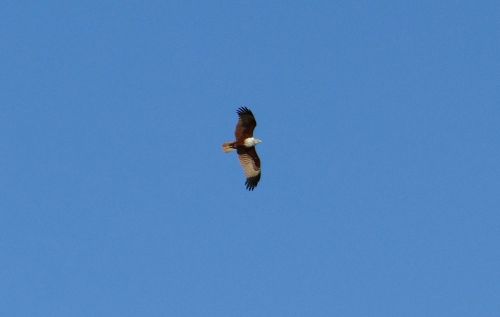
250, 163
246, 124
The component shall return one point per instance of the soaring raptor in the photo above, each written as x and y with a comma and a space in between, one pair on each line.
245, 146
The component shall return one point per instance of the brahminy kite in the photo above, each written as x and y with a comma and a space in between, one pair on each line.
245, 147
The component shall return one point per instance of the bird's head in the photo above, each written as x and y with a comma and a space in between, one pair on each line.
249, 142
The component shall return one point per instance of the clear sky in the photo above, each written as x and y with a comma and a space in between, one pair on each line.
380, 193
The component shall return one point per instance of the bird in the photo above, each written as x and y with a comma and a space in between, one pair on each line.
245, 147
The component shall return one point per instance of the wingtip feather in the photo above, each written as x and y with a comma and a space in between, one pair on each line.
252, 182
243, 110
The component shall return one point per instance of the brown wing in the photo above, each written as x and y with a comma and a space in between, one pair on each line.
246, 124
250, 162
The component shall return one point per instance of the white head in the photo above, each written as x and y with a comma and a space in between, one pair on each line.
249, 142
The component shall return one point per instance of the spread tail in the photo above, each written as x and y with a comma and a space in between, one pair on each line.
228, 147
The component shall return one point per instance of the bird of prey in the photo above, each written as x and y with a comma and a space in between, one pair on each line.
245, 147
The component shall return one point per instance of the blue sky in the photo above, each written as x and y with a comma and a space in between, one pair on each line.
380, 187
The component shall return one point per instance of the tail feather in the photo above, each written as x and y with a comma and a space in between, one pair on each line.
228, 147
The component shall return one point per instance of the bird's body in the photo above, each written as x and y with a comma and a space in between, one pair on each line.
245, 147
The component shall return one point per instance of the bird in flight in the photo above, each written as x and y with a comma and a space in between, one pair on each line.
245, 147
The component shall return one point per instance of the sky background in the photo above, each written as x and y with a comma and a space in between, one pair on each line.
380, 193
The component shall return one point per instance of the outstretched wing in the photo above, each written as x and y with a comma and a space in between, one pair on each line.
246, 124
250, 162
